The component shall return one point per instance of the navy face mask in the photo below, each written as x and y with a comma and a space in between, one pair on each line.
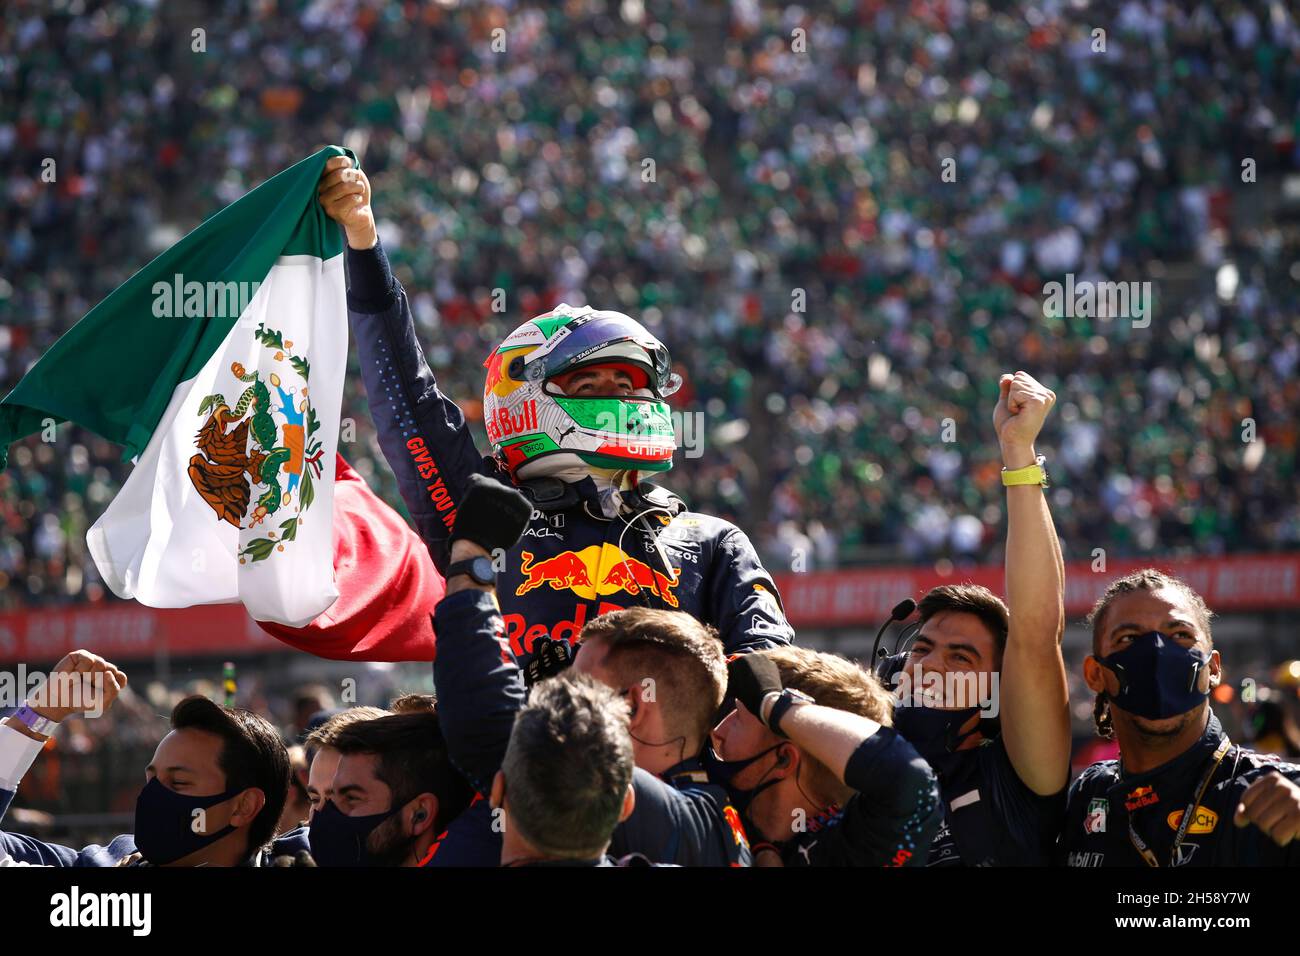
337, 839
165, 821
1157, 676
935, 733
723, 771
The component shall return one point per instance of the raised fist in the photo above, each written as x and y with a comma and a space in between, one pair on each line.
1023, 404
1272, 803
81, 683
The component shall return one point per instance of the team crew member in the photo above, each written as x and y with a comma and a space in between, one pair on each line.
214, 792
574, 404
393, 793
974, 658
323, 756
668, 668
820, 777
1181, 792
566, 780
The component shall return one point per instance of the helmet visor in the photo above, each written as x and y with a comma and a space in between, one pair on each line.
587, 335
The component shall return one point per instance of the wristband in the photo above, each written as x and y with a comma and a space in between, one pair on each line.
1035, 474
34, 721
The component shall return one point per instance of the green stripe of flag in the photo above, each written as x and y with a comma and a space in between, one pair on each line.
115, 371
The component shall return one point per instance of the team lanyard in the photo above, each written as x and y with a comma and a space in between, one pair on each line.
1138, 844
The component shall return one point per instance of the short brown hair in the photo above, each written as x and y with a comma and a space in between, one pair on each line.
683, 657
327, 733
1147, 579
833, 681
969, 599
836, 682
412, 759
413, 703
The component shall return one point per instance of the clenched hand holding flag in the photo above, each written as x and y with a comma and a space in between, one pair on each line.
219, 366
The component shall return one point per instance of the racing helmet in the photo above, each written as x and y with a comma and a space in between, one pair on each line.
535, 429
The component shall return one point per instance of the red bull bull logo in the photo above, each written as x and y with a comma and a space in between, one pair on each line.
598, 570
498, 382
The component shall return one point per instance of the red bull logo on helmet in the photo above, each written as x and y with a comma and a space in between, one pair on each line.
504, 425
499, 383
597, 571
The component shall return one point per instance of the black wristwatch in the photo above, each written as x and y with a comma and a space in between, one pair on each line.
480, 570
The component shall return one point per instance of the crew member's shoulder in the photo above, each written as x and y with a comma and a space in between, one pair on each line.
291, 841
1252, 765
1099, 776
121, 851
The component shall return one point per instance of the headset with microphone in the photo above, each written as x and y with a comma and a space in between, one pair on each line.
886, 665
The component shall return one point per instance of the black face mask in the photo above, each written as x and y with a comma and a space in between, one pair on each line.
340, 840
724, 771
165, 822
1157, 676
936, 734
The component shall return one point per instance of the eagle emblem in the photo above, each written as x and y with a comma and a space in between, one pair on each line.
264, 445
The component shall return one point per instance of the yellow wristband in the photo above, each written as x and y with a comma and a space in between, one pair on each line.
1034, 474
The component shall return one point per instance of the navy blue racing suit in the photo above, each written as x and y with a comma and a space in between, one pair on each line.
682, 819
571, 564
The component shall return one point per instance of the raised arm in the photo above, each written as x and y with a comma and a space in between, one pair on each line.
479, 685
896, 787
81, 683
843, 741
1034, 698
422, 432
896, 792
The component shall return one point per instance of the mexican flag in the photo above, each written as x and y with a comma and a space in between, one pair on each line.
219, 366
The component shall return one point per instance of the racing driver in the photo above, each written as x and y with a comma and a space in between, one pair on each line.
574, 405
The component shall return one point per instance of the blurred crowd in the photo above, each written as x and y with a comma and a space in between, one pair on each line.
765, 189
